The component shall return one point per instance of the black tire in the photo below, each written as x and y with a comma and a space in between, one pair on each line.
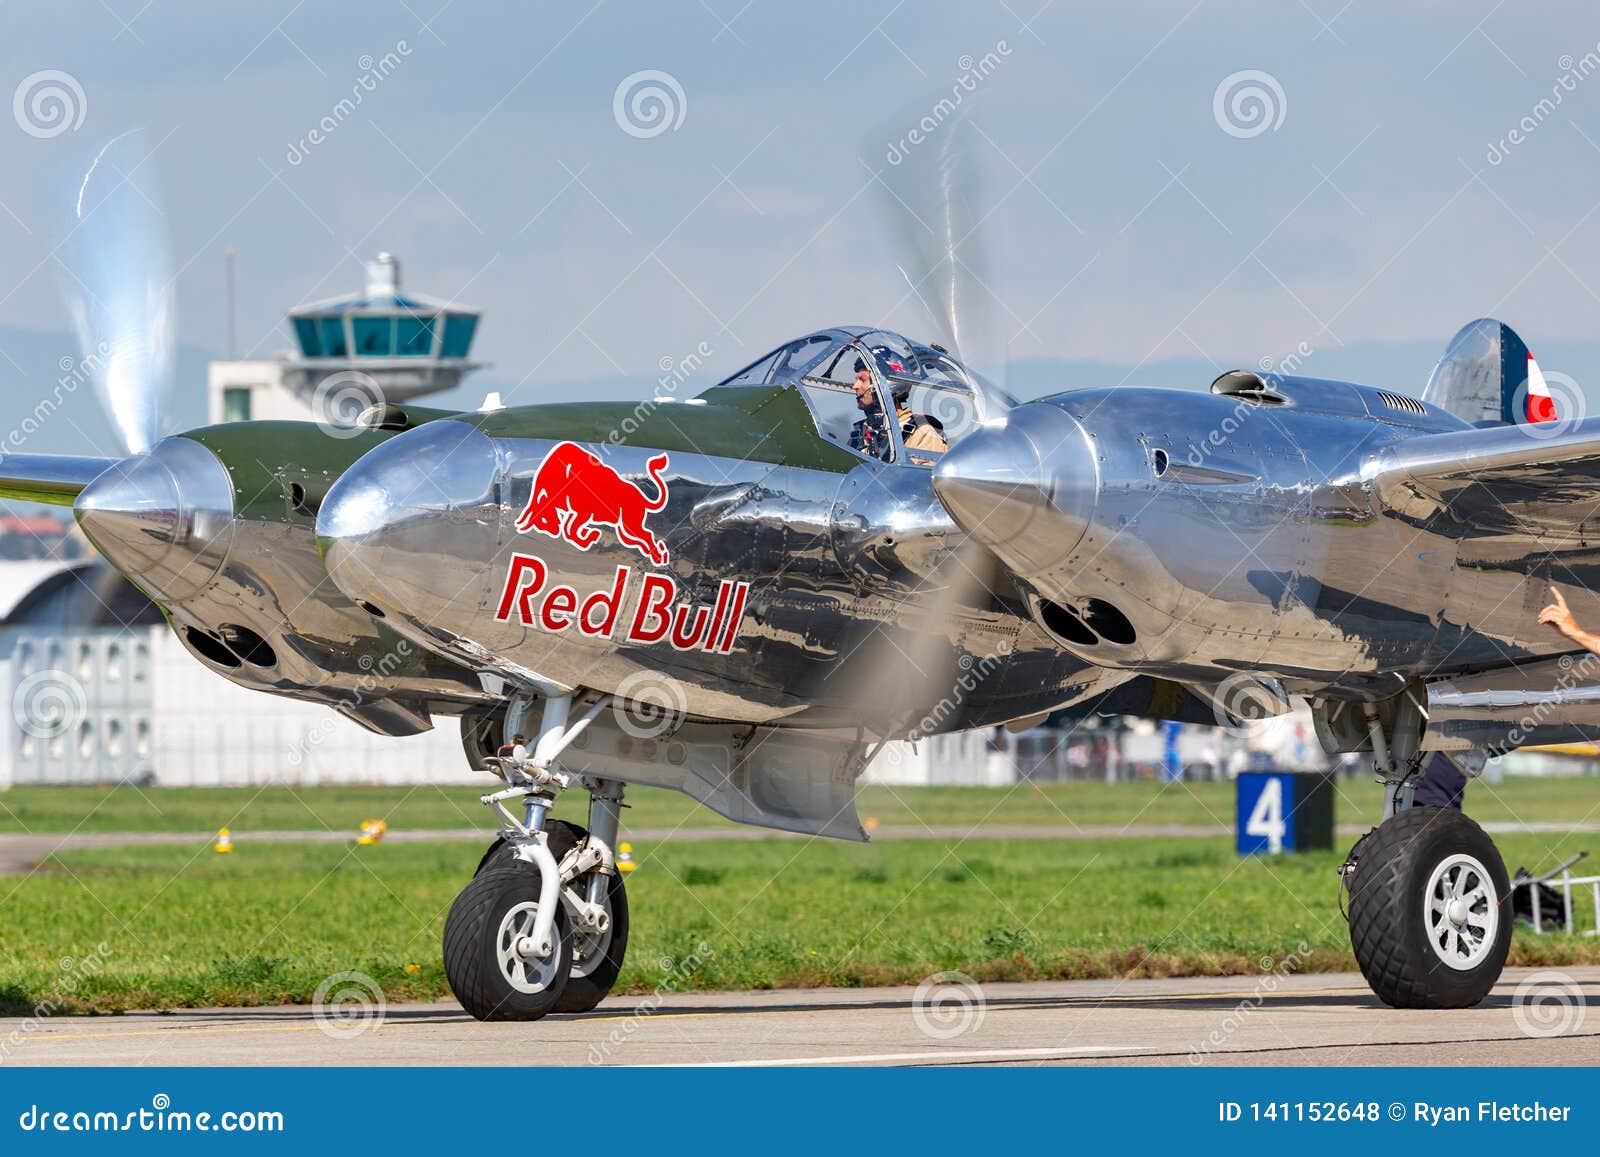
1391, 910
592, 980
473, 935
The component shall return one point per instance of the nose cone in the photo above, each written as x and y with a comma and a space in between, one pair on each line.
164, 518
1026, 489
409, 525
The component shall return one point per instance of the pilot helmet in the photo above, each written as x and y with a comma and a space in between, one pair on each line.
889, 362
892, 366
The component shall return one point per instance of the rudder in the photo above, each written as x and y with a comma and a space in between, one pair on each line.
1489, 377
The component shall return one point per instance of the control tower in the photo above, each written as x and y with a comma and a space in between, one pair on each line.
380, 345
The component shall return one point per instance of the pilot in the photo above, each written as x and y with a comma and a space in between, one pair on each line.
870, 434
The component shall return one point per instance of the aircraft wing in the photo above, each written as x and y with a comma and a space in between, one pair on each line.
55, 479
1503, 480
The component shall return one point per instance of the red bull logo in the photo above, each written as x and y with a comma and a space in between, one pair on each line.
658, 617
574, 494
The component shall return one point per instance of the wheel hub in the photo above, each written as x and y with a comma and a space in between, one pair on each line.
1461, 912
515, 951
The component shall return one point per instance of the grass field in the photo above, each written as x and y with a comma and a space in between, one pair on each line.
131, 809
182, 926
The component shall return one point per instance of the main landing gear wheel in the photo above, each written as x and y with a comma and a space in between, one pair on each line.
596, 956
488, 957
1430, 917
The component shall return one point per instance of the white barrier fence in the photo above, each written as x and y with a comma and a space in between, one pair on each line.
103, 705
1564, 883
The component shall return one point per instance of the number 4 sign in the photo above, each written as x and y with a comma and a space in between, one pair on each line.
1283, 812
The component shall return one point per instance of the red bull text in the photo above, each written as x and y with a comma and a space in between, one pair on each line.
528, 599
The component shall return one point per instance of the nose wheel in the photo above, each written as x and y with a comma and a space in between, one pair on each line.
495, 964
597, 954
1428, 921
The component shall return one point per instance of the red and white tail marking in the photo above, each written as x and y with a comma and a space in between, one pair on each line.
1541, 407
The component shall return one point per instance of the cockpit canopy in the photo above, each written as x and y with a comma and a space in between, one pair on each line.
921, 398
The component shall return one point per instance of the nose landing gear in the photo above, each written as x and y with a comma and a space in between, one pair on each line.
543, 925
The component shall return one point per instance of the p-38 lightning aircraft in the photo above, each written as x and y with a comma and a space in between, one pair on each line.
741, 594
855, 539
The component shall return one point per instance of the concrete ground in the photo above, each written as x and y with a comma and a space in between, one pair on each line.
1329, 1019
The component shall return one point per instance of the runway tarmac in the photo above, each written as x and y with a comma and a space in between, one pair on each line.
1329, 1019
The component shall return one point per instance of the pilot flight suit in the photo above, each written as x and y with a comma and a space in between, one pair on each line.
870, 434
921, 432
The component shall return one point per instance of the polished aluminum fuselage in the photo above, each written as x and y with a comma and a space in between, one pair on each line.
1193, 535
1228, 535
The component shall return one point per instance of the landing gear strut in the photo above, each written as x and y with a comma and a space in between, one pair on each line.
543, 926
1430, 921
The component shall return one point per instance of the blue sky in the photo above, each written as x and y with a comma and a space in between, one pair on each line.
1129, 234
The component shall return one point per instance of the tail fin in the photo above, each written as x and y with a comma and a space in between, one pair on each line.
1488, 377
